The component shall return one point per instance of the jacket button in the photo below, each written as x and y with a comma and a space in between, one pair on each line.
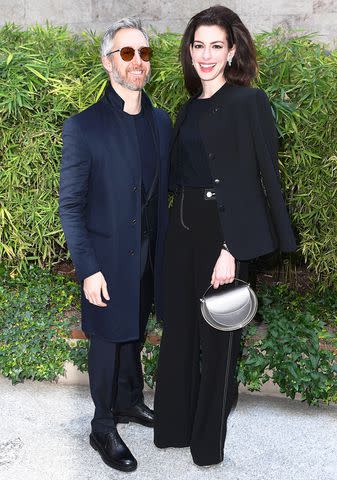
131, 252
222, 208
135, 189
211, 156
217, 180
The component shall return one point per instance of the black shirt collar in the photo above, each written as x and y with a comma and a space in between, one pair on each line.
117, 102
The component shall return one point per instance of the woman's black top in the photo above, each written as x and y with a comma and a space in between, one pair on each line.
193, 167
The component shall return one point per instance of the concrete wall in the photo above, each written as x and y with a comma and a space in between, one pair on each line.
310, 15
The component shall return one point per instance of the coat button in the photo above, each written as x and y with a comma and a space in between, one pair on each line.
222, 208
131, 252
216, 180
211, 156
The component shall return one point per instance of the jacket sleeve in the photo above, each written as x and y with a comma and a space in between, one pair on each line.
266, 145
75, 170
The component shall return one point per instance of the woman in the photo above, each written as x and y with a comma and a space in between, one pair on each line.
228, 209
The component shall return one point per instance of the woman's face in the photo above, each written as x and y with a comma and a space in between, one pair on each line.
210, 52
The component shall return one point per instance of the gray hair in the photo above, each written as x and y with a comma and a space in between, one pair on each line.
127, 22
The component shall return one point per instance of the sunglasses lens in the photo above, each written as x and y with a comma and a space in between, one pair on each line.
145, 53
127, 53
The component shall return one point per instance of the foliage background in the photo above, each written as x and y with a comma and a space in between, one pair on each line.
47, 74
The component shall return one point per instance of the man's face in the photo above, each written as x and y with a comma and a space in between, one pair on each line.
135, 73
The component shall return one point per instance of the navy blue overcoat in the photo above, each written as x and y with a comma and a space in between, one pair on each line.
100, 208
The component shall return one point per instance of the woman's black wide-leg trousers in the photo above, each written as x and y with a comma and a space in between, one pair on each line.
196, 386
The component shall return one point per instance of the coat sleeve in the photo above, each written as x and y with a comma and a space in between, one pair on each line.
266, 145
74, 178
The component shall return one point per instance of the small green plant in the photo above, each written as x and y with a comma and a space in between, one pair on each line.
78, 354
33, 329
298, 351
150, 355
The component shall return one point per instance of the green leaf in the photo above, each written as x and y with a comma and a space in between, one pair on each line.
37, 73
9, 58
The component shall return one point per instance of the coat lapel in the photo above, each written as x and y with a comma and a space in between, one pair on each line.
155, 135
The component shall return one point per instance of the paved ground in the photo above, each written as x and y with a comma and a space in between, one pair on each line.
44, 432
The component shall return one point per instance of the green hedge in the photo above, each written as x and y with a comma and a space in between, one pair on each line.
297, 350
47, 74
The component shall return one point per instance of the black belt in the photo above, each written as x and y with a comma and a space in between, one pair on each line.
207, 193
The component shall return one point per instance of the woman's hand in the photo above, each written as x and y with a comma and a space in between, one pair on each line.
224, 270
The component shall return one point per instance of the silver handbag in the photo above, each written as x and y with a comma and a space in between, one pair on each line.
229, 308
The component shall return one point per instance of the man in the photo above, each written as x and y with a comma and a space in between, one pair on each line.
113, 208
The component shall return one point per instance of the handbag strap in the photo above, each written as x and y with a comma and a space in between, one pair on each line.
211, 286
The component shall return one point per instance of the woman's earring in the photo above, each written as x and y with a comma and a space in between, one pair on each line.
229, 61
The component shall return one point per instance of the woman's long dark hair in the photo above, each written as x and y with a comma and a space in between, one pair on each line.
244, 65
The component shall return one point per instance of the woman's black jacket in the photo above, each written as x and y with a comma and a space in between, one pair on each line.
240, 139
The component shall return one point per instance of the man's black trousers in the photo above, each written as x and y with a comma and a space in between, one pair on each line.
196, 386
115, 371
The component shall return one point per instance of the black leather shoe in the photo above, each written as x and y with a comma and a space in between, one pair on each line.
113, 451
139, 413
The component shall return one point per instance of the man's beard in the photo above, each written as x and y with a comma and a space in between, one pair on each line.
116, 75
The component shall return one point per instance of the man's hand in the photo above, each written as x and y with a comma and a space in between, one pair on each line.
95, 288
224, 270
